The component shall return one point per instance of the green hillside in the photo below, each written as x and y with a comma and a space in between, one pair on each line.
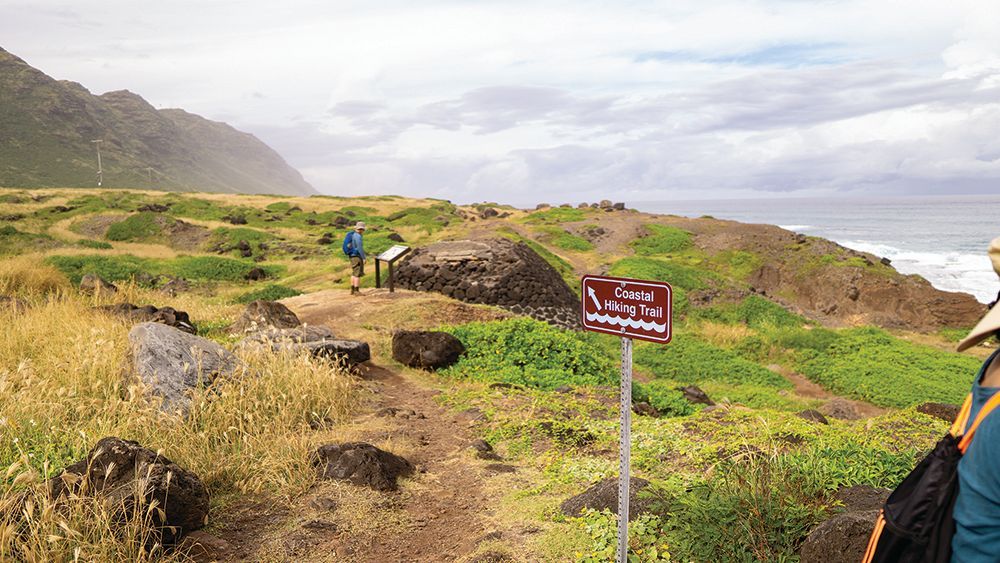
47, 125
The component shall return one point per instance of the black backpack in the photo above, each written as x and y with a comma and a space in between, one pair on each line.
916, 523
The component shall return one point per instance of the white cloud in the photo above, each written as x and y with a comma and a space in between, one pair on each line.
569, 100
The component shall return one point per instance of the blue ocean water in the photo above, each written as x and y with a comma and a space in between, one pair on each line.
942, 238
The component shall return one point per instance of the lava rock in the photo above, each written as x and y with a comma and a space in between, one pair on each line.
488, 212
619, 206
171, 363
604, 495
813, 415
484, 450
261, 315
154, 208
840, 408
255, 274
317, 341
148, 313
395, 237
114, 470
861, 498
426, 349
361, 464
943, 411
841, 539
95, 284
694, 395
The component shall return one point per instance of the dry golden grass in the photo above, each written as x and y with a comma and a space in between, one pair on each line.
29, 276
64, 385
723, 335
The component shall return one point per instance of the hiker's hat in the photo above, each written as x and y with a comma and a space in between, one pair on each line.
990, 323
360, 226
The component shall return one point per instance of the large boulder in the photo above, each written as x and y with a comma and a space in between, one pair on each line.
318, 341
95, 284
361, 464
148, 313
604, 495
130, 478
261, 315
171, 363
426, 349
493, 271
841, 539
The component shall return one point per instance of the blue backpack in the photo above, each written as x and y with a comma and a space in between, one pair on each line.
348, 245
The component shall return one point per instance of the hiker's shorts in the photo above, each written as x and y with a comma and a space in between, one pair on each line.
357, 266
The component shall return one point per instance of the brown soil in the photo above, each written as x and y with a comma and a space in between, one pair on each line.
96, 226
443, 512
810, 390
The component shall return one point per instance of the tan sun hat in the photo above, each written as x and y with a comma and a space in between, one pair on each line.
359, 226
990, 323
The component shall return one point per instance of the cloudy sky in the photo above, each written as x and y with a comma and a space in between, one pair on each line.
523, 102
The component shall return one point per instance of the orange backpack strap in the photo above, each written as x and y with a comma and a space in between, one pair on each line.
962, 420
987, 408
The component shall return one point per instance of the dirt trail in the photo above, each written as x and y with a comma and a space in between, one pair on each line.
446, 507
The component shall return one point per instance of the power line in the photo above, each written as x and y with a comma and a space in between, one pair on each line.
100, 169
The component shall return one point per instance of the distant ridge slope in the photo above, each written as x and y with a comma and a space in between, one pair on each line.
47, 125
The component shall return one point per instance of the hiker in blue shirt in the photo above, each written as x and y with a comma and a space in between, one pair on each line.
977, 507
354, 247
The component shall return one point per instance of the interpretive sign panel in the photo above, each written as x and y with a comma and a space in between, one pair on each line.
631, 308
393, 253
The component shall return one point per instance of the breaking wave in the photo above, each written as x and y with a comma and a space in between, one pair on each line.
631, 323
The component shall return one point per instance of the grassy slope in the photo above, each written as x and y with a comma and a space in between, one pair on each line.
712, 469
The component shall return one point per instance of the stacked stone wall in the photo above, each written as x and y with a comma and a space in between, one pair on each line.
495, 271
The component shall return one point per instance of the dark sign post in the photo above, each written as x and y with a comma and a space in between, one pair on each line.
630, 309
389, 257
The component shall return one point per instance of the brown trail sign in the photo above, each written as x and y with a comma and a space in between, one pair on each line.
631, 309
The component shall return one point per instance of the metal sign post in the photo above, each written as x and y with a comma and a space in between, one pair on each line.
630, 309
624, 449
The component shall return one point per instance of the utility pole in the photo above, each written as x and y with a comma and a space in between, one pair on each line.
149, 171
100, 169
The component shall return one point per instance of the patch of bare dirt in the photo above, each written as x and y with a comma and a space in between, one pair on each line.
810, 390
96, 226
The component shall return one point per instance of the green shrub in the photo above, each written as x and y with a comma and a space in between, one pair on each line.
8, 230
557, 215
99, 244
738, 264
431, 218
111, 268
691, 361
662, 240
757, 508
754, 311
216, 268
559, 237
140, 226
755, 396
125, 266
872, 365
677, 275
272, 292
664, 396
527, 352
646, 540
800, 338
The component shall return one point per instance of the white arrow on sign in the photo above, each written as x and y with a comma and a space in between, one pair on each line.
593, 296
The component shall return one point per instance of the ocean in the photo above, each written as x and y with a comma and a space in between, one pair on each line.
942, 238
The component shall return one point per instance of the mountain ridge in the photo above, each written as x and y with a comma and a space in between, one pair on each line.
47, 129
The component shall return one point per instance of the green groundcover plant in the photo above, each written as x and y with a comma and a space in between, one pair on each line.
531, 353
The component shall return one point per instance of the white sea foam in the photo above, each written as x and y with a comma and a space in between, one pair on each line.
797, 228
949, 271
632, 323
